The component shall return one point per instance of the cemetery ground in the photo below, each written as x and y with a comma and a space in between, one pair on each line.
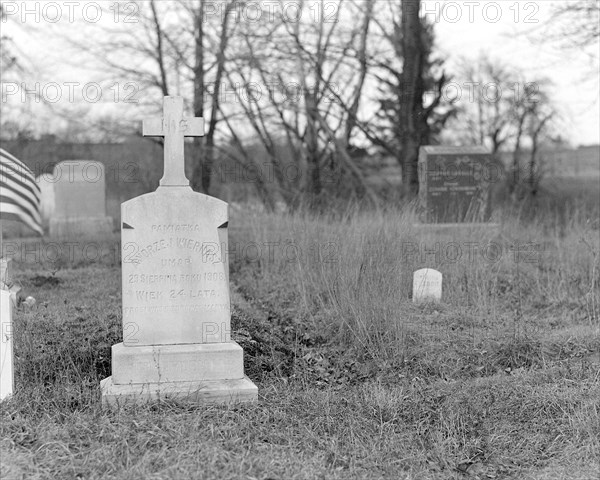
500, 380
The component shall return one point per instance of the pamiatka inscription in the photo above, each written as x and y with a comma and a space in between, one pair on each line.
169, 228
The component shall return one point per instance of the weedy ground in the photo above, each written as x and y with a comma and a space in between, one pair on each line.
501, 380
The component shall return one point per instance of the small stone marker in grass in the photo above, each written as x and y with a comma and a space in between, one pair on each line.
79, 200
175, 281
427, 285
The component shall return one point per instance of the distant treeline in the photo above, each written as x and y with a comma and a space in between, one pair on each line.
135, 166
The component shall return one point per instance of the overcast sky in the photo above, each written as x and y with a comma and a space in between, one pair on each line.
522, 43
506, 30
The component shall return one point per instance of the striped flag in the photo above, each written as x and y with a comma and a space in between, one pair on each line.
19, 194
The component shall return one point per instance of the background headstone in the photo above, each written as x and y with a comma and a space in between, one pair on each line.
79, 200
455, 184
175, 280
46, 183
427, 285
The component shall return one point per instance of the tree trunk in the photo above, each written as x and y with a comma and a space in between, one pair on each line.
411, 94
313, 156
199, 172
534, 177
203, 169
160, 50
516, 155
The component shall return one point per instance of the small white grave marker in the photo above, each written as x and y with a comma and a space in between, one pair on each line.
427, 285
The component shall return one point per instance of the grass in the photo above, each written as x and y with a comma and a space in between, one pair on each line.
499, 381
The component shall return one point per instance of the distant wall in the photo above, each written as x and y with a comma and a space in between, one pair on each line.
132, 168
565, 163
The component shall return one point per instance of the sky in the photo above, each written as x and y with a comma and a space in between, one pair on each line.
510, 31
516, 34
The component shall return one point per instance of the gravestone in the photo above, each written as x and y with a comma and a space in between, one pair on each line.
427, 285
6, 350
79, 200
175, 283
455, 184
47, 201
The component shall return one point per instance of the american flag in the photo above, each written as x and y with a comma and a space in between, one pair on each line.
19, 194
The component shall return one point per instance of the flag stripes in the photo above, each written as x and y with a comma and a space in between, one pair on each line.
19, 194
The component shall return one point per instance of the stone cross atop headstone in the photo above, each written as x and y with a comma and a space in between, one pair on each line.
173, 127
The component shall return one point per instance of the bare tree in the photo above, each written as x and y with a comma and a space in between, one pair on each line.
494, 89
312, 98
168, 50
8, 59
540, 127
411, 81
312, 71
575, 24
502, 110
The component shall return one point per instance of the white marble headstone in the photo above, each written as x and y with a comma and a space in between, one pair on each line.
427, 285
175, 279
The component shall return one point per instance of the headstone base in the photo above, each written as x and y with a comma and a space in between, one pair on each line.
208, 391
176, 363
80, 226
200, 373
